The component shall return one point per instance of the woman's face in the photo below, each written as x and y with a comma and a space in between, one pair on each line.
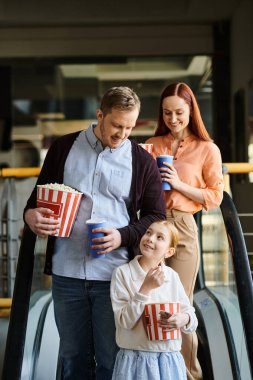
176, 114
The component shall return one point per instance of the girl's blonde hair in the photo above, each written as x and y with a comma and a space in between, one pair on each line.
172, 231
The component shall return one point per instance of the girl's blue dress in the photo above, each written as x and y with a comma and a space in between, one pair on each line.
145, 365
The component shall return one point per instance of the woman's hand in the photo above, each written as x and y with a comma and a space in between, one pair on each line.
169, 174
154, 279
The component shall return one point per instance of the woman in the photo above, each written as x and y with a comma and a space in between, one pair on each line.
196, 181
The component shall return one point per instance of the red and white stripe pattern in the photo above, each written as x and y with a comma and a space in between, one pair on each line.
152, 315
147, 147
64, 204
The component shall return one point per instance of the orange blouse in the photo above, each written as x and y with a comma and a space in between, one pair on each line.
198, 164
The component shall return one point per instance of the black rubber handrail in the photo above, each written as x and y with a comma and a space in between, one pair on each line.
38, 337
15, 342
242, 271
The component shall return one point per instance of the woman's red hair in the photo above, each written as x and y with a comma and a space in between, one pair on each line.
196, 124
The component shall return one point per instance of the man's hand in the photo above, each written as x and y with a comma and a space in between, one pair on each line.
39, 222
107, 243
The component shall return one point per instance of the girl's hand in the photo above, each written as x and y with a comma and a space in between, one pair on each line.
154, 279
169, 174
175, 321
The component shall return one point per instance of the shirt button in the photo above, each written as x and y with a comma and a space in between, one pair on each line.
180, 146
175, 158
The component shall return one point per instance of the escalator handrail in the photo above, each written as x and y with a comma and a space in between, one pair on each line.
15, 342
241, 269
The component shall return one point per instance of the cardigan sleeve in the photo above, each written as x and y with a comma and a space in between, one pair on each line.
147, 198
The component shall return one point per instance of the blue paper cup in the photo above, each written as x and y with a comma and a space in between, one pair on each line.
91, 224
160, 160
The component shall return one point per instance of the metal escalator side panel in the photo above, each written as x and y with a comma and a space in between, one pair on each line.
20, 308
214, 329
241, 270
34, 331
49, 348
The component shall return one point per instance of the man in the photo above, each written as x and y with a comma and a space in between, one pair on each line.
121, 184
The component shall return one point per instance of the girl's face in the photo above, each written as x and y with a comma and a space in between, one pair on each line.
155, 243
176, 114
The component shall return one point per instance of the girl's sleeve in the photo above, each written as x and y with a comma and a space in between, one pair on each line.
213, 177
185, 307
127, 305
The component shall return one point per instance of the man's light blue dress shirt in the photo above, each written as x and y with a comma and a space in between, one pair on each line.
104, 176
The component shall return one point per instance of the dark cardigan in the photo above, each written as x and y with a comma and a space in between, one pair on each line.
146, 192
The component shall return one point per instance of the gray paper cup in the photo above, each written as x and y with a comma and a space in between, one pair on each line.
91, 224
160, 160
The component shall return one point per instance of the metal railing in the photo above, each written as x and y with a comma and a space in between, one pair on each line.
10, 225
235, 168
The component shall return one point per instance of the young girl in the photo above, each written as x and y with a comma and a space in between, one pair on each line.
146, 279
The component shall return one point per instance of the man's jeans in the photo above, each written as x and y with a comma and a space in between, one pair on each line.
85, 322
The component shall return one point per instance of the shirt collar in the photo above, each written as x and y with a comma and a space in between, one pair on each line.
187, 139
92, 138
95, 143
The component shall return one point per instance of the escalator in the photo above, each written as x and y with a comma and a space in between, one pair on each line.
223, 300
224, 297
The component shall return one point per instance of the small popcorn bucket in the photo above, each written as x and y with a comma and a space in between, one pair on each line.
147, 147
64, 204
151, 317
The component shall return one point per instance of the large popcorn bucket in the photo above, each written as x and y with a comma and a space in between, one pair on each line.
64, 204
151, 317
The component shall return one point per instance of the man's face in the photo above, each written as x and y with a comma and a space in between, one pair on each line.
116, 126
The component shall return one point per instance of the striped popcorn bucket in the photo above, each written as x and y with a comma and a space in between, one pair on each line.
64, 204
151, 317
147, 147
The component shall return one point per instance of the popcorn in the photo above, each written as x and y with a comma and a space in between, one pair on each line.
64, 201
60, 186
